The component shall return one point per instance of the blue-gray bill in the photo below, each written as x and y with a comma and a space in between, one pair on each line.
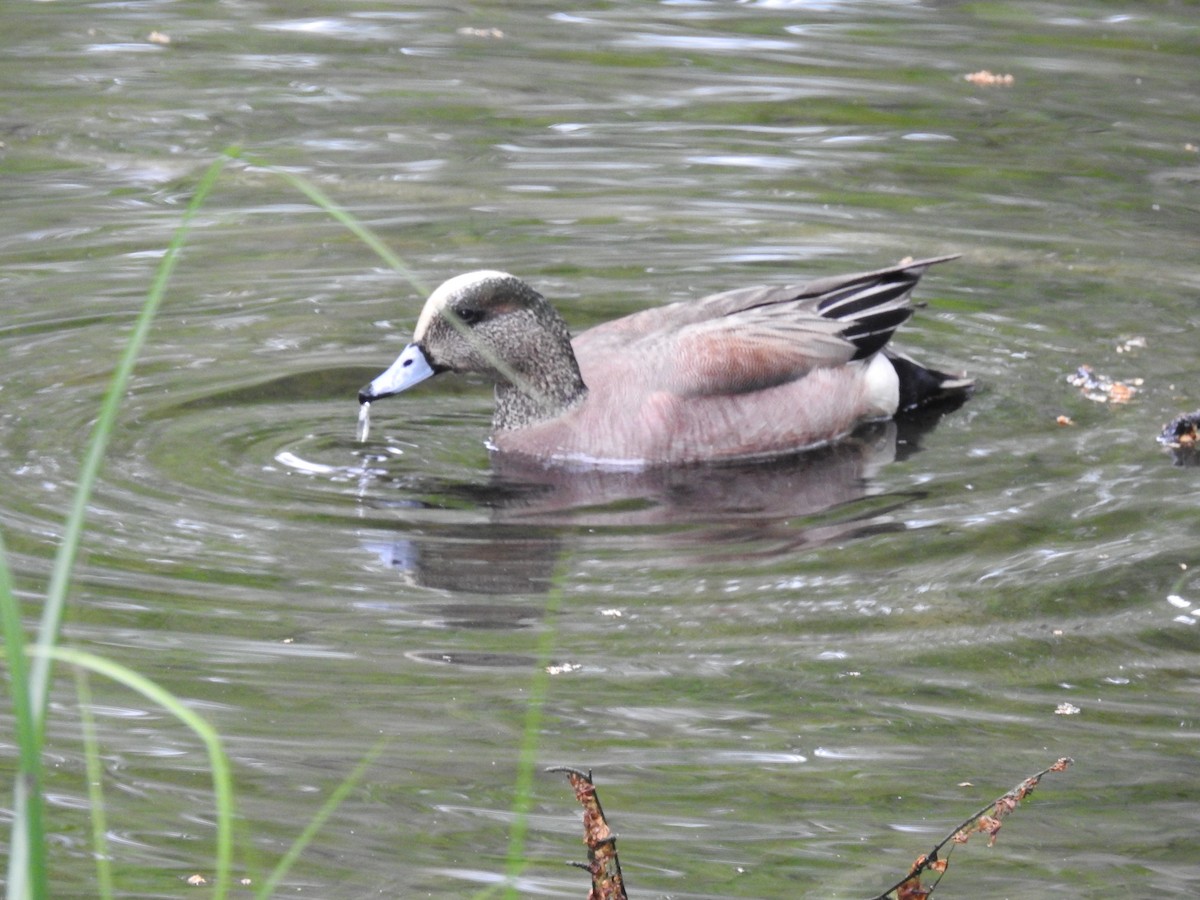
411, 367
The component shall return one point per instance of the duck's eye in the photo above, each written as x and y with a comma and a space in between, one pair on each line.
470, 316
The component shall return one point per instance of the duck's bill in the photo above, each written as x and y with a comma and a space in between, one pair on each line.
411, 367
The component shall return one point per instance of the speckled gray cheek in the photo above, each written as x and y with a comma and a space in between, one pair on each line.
546, 381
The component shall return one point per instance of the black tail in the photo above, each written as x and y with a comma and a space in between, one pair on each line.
875, 304
874, 309
922, 387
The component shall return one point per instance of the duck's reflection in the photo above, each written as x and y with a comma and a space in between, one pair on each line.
517, 524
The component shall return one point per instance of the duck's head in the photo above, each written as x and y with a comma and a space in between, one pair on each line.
490, 323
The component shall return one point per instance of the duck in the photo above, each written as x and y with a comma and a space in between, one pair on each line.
754, 372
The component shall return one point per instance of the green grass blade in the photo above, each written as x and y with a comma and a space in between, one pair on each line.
515, 860
27, 843
218, 761
95, 786
64, 560
318, 821
26, 864
29, 684
321, 199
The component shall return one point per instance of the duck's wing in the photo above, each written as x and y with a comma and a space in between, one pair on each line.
749, 351
756, 338
727, 302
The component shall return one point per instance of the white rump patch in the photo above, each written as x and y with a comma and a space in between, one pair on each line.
882, 386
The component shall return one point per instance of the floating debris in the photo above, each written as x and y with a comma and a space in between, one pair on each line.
364, 421
1065, 420
157, 37
1130, 344
494, 34
1101, 388
1067, 709
1182, 436
1181, 431
984, 78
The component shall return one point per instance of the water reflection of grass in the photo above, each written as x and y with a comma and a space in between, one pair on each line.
31, 662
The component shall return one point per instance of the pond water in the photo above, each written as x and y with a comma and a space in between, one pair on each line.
790, 679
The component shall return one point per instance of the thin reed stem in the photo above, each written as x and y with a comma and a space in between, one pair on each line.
527, 758
95, 785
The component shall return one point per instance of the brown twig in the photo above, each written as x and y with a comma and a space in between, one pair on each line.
602, 864
987, 819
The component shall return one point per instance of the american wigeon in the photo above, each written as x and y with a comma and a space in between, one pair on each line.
753, 372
